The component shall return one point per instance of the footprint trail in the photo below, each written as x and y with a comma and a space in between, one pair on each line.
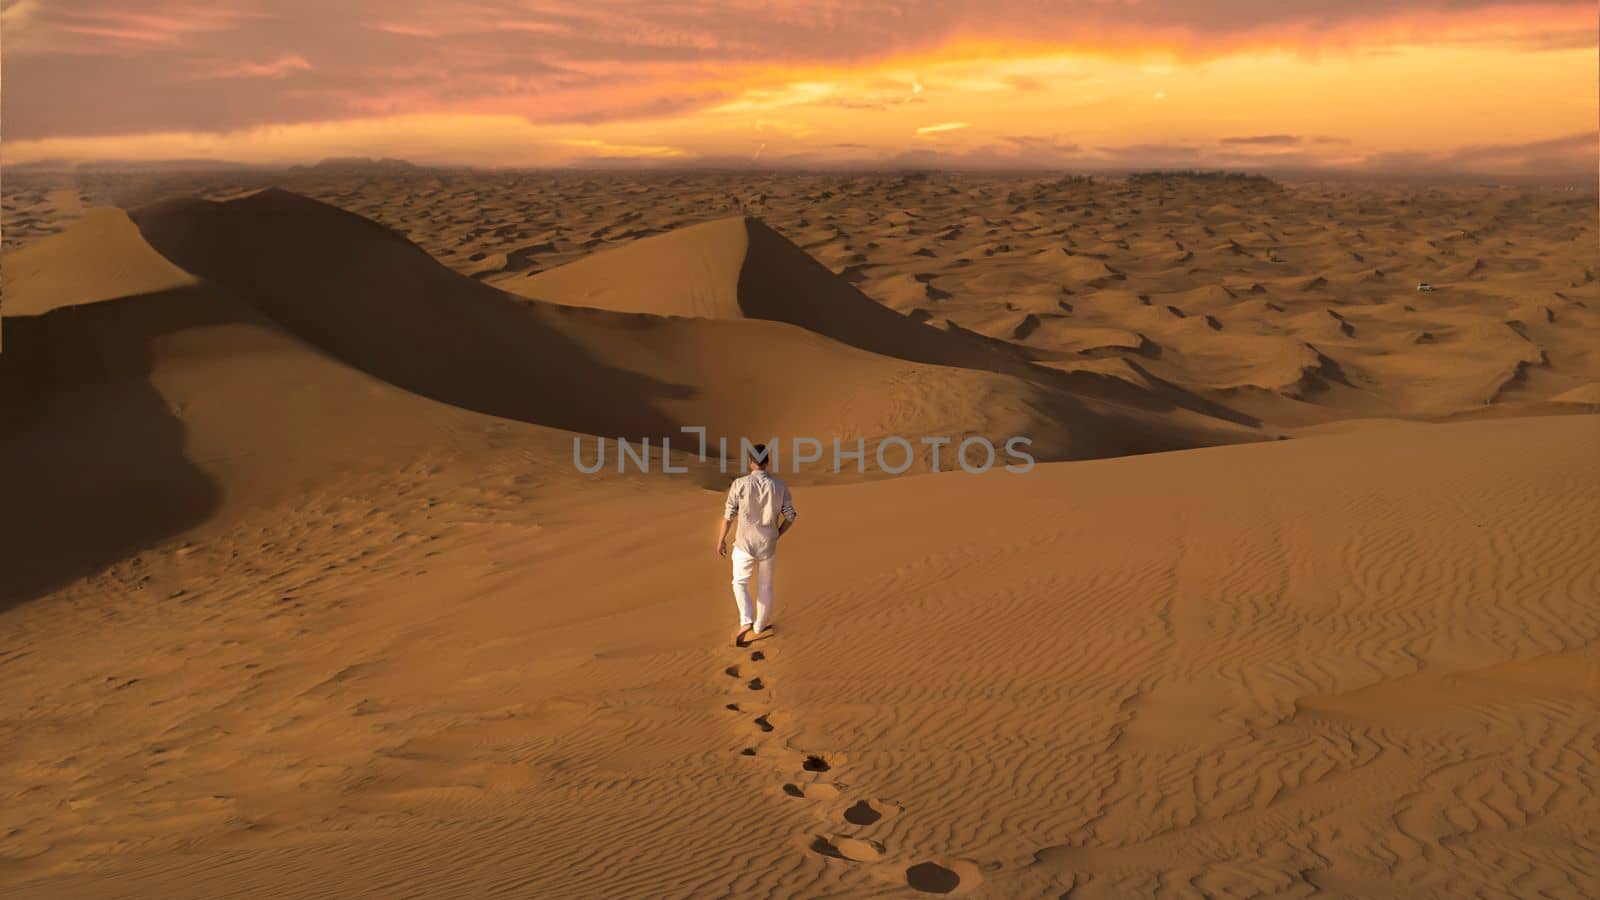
863, 815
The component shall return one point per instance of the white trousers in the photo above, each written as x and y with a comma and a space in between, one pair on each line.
745, 567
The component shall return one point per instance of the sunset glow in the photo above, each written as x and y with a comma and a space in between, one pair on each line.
1494, 88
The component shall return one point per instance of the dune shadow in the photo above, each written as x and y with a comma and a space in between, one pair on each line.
92, 459
789, 285
374, 300
783, 283
1161, 396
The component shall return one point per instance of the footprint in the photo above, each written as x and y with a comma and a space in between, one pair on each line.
854, 849
870, 812
816, 791
933, 878
927, 877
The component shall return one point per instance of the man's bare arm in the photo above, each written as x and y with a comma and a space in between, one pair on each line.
787, 513
722, 537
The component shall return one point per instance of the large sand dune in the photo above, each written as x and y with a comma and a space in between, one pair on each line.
240, 328
740, 268
380, 303
304, 596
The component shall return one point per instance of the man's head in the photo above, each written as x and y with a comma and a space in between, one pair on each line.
757, 458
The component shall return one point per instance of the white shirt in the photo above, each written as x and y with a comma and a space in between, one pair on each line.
761, 503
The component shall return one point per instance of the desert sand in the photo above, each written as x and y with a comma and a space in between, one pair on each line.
303, 594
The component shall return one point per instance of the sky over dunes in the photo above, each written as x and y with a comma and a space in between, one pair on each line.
1418, 84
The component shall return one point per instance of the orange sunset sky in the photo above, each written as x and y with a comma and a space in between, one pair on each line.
1399, 85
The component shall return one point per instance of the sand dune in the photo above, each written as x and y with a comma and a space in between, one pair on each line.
1338, 689
740, 268
378, 302
105, 259
303, 595
381, 304
251, 323
1118, 254
134, 419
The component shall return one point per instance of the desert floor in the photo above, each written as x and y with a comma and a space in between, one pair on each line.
301, 593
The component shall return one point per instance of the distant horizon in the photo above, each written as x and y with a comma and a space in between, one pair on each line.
1587, 176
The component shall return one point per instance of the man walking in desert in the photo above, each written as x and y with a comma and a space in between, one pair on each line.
765, 511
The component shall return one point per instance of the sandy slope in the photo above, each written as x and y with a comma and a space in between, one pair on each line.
171, 407
1201, 671
740, 268
310, 599
105, 259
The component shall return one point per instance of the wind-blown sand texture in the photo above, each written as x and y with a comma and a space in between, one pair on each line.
304, 596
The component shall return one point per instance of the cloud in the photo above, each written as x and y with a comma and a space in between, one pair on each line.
281, 67
81, 28
1027, 83
16, 14
87, 67
601, 149
646, 108
1266, 140
513, 141
227, 77
1573, 153
1039, 144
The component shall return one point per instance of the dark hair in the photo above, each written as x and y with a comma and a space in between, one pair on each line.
758, 455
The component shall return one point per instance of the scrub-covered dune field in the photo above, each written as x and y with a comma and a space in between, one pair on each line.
304, 593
